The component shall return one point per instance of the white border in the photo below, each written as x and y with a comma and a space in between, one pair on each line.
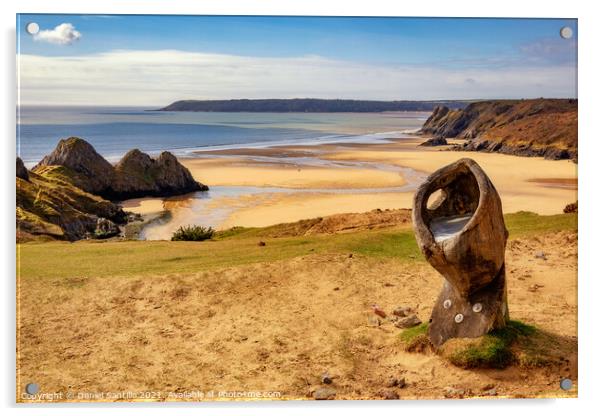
590, 97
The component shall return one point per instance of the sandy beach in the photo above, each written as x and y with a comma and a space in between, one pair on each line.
257, 187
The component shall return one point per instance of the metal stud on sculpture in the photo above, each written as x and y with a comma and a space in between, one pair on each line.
462, 234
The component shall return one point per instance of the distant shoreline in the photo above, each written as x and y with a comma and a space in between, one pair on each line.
309, 105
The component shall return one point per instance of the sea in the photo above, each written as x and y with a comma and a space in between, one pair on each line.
115, 130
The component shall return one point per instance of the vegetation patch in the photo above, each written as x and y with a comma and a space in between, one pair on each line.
517, 344
523, 223
416, 339
193, 233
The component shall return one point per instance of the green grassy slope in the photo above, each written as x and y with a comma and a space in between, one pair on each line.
240, 246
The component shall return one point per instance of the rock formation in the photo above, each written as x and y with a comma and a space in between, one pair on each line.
435, 141
541, 127
63, 197
22, 170
136, 174
93, 172
49, 205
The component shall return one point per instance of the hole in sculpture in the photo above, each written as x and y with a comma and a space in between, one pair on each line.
452, 206
435, 200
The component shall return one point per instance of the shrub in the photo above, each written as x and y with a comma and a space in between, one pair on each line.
570, 208
192, 233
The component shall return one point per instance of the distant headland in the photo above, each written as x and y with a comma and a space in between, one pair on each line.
309, 105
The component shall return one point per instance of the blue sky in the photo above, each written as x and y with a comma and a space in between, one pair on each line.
265, 57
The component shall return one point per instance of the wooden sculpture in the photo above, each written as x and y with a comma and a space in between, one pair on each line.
462, 234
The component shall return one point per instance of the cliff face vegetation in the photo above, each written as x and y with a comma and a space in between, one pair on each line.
540, 127
66, 195
48, 204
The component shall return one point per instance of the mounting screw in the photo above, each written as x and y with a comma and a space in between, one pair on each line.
447, 303
566, 384
477, 307
32, 388
459, 318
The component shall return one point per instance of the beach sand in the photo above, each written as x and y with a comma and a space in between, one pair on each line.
525, 184
311, 181
279, 325
240, 172
144, 206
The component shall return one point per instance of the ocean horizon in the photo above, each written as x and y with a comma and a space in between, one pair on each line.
114, 130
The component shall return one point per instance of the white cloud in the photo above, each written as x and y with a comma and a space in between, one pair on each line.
128, 77
63, 34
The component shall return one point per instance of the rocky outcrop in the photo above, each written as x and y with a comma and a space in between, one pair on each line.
65, 195
435, 141
541, 127
136, 174
22, 170
105, 228
50, 206
94, 173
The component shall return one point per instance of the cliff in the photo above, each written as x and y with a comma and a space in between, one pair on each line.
307, 105
49, 205
540, 127
65, 195
136, 174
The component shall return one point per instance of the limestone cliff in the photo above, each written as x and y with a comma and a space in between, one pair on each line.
539, 127
136, 174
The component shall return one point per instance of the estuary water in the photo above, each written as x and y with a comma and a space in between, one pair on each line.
115, 130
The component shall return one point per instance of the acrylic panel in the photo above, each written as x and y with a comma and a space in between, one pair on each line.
295, 208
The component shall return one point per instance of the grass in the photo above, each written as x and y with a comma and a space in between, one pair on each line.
518, 343
494, 350
415, 339
523, 223
235, 247
131, 258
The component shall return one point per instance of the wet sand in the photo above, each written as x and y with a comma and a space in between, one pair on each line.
310, 181
144, 206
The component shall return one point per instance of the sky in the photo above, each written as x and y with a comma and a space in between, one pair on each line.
145, 60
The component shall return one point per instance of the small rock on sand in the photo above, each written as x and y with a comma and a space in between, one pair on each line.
540, 255
389, 395
324, 393
396, 382
261, 244
402, 311
378, 311
408, 322
373, 321
490, 392
326, 379
392, 382
453, 392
